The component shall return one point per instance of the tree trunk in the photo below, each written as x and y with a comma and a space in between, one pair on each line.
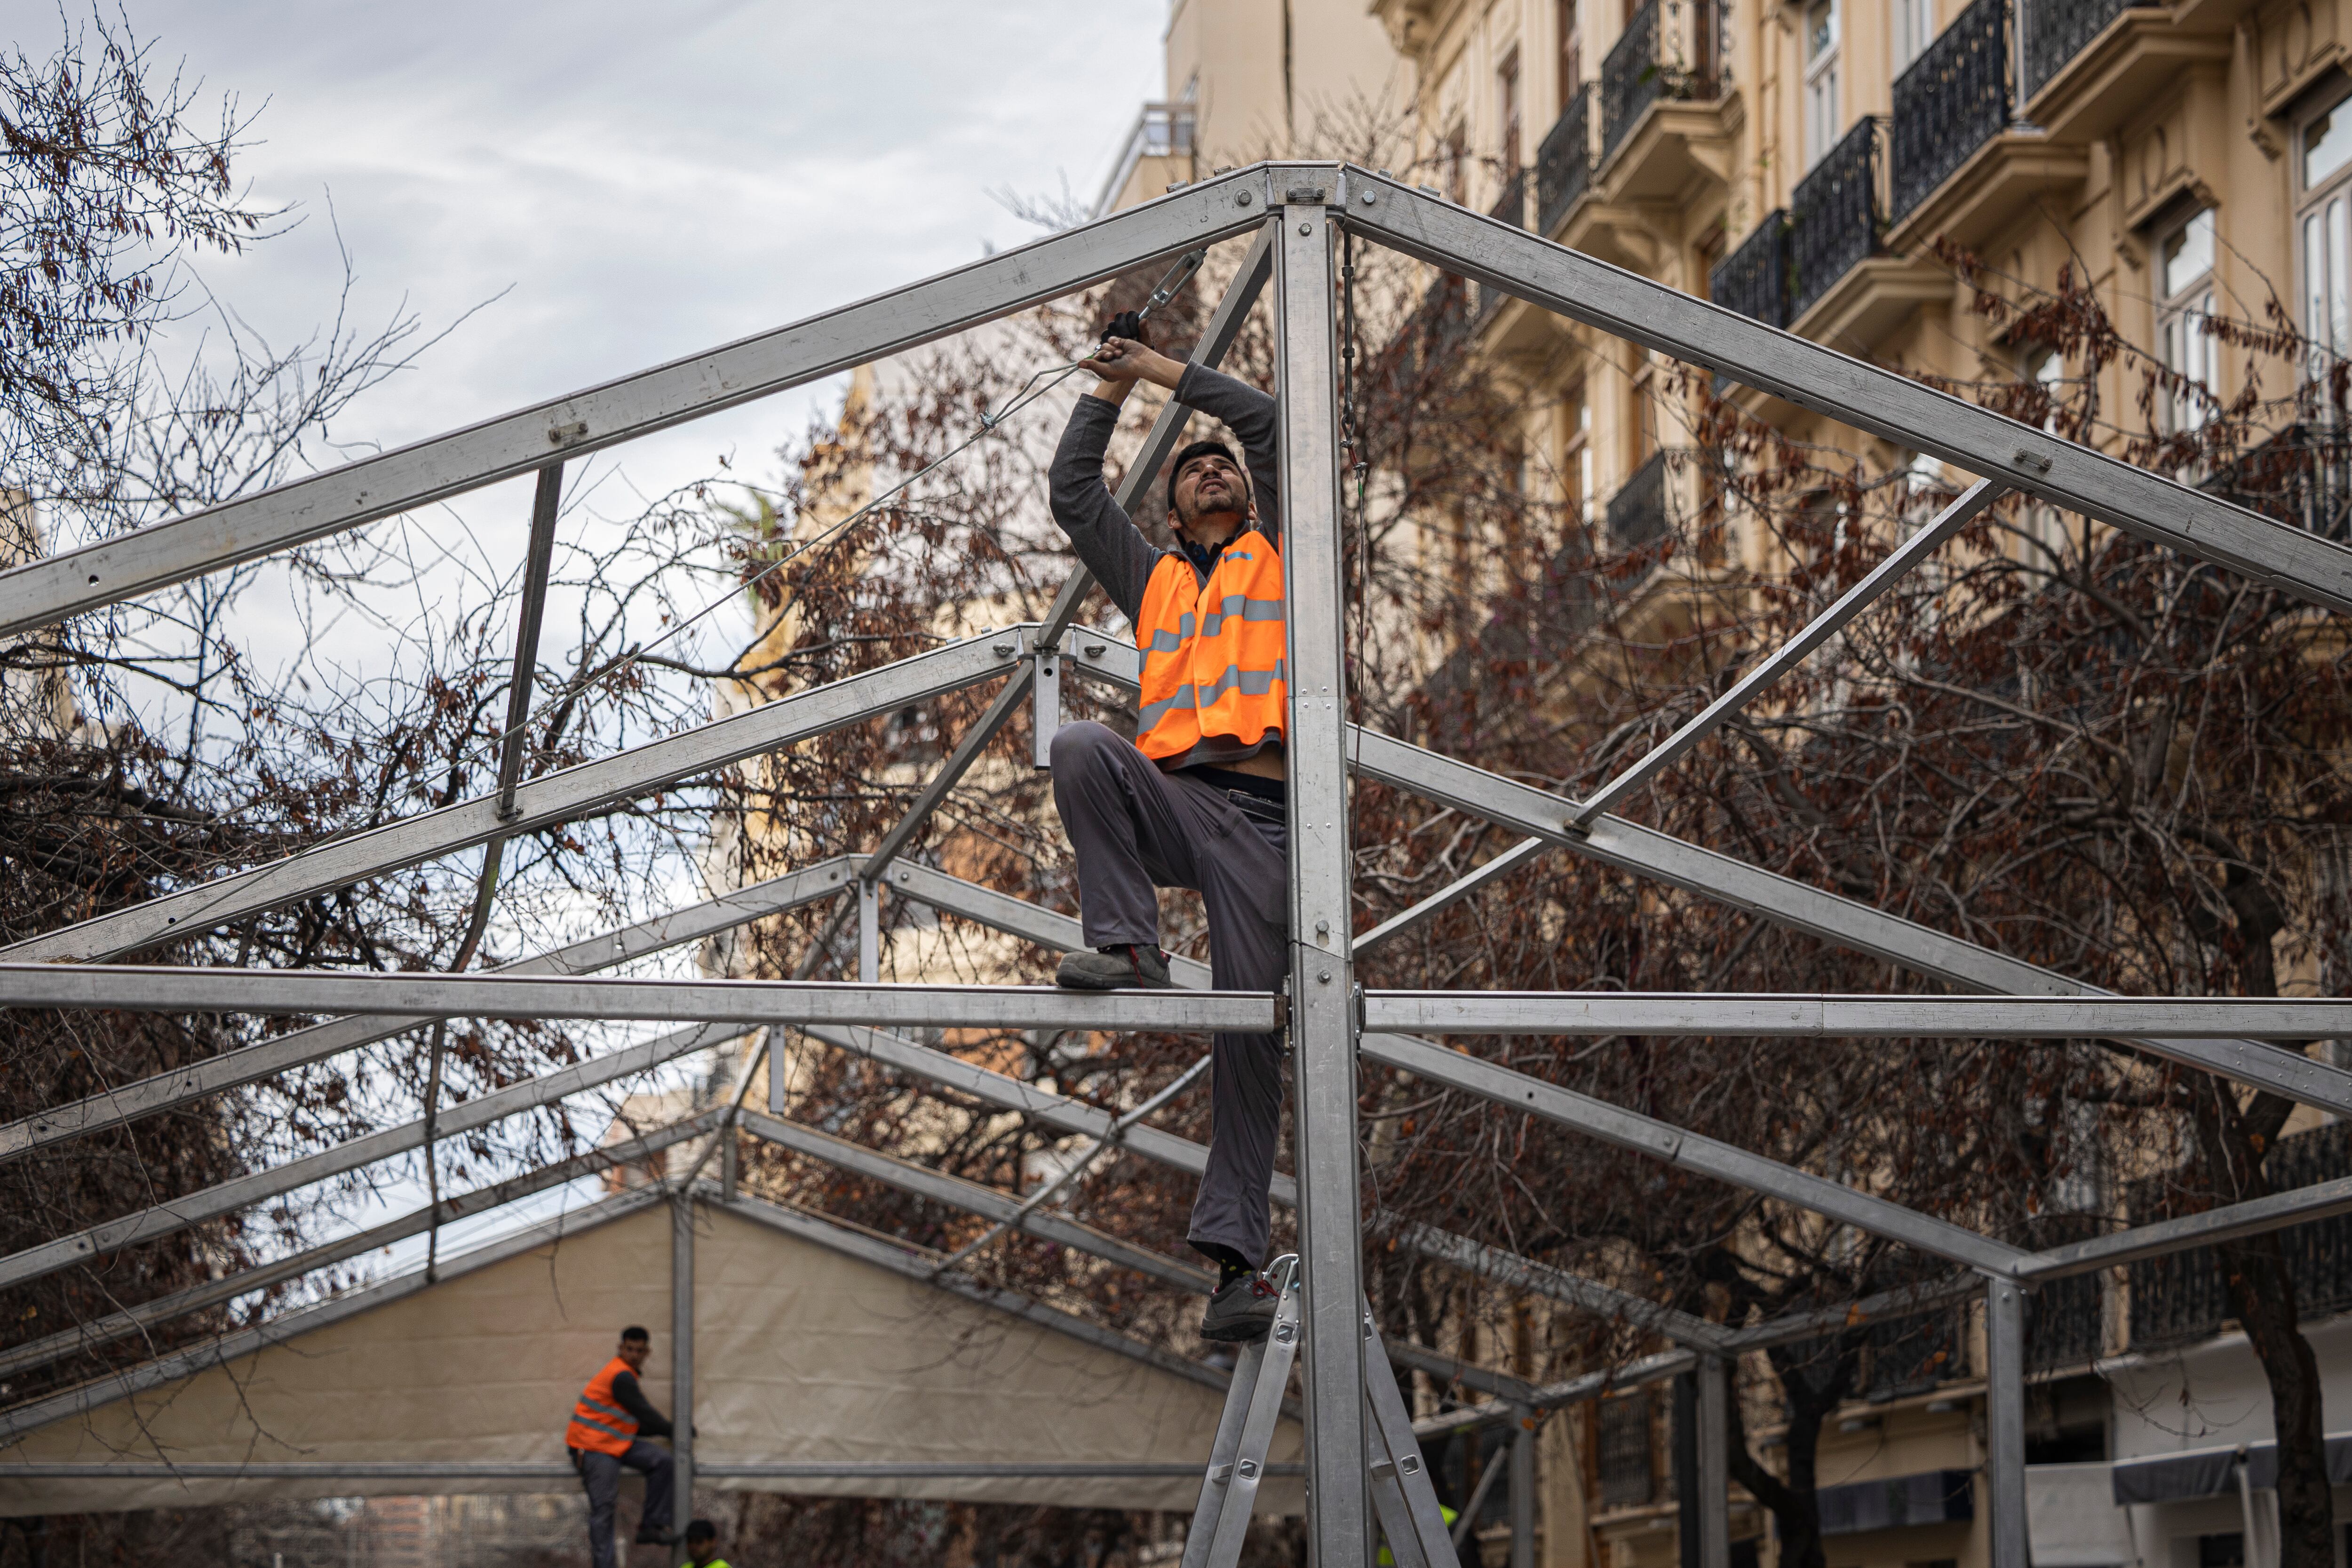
2263, 1295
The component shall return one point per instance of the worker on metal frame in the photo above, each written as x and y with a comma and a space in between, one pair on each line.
610, 1423
1197, 799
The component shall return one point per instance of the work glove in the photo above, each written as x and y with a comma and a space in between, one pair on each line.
1128, 324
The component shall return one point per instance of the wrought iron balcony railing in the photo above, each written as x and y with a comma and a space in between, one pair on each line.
2302, 477
1630, 81
1654, 58
1564, 162
1511, 207
1952, 100
2058, 30
1637, 512
1754, 279
1833, 216
2182, 1296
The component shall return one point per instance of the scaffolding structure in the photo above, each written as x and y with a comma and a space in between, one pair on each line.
1291, 213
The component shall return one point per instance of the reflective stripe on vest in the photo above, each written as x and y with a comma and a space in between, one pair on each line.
1214, 657
598, 1422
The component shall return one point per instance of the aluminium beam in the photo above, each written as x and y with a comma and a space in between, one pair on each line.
2005, 1371
555, 1471
1799, 906
617, 411
230, 1347
1660, 1140
1555, 1395
1768, 670
919, 1266
177, 1215
1323, 1028
746, 1004
118, 1325
1017, 917
542, 801
1002, 911
1517, 1272
2231, 1222
250, 1064
1796, 1015
972, 1198
1976, 440
681, 1350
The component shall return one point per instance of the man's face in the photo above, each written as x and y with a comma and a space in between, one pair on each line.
634, 1352
701, 1551
1207, 486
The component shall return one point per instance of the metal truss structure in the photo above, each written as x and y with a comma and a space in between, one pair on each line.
1291, 211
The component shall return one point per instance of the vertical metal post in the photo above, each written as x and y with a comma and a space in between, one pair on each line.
1045, 662
776, 1070
1322, 984
681, 1355
1522, 1483
1714, 1463
2005, 1422
869, 932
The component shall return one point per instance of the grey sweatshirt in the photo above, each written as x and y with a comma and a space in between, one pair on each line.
1115, 550
1104, 536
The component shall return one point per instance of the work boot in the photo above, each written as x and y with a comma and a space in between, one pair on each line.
1240, 1313
648, 1535
1134, 967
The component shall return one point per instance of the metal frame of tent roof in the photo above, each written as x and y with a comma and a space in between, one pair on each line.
1292, 209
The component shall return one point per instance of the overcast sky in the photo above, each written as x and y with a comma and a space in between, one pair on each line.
629, 183
633, 182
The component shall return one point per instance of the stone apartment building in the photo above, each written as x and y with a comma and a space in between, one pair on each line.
1824, 165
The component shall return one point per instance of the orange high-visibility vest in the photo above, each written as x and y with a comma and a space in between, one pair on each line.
1214, 655
598, 1422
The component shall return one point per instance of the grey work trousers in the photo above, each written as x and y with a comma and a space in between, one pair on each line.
601, 1473
1134, 829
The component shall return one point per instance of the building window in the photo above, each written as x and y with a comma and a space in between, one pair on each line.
1456, 159
2185, 276
1506, 103
1569, 26
1915, 29
2327, 219
1820, 80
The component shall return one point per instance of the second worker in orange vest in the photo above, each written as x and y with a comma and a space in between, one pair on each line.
1196, 800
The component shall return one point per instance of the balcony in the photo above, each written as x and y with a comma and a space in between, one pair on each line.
1953, 100
1510, 207
2300, 476
1637, 512
1833, 218
2058, 30
1161, 132
1564, 162
1754, 279
1630, 78
2183, 1297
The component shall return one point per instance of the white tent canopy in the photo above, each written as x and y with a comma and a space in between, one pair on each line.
810, 1358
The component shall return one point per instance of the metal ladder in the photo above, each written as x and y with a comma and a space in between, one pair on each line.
1401, 1494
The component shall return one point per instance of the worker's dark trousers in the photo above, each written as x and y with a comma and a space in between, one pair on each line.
1135, 828
602, 1473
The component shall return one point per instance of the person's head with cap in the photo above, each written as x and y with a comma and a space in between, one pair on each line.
1208, 493
702, 1544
